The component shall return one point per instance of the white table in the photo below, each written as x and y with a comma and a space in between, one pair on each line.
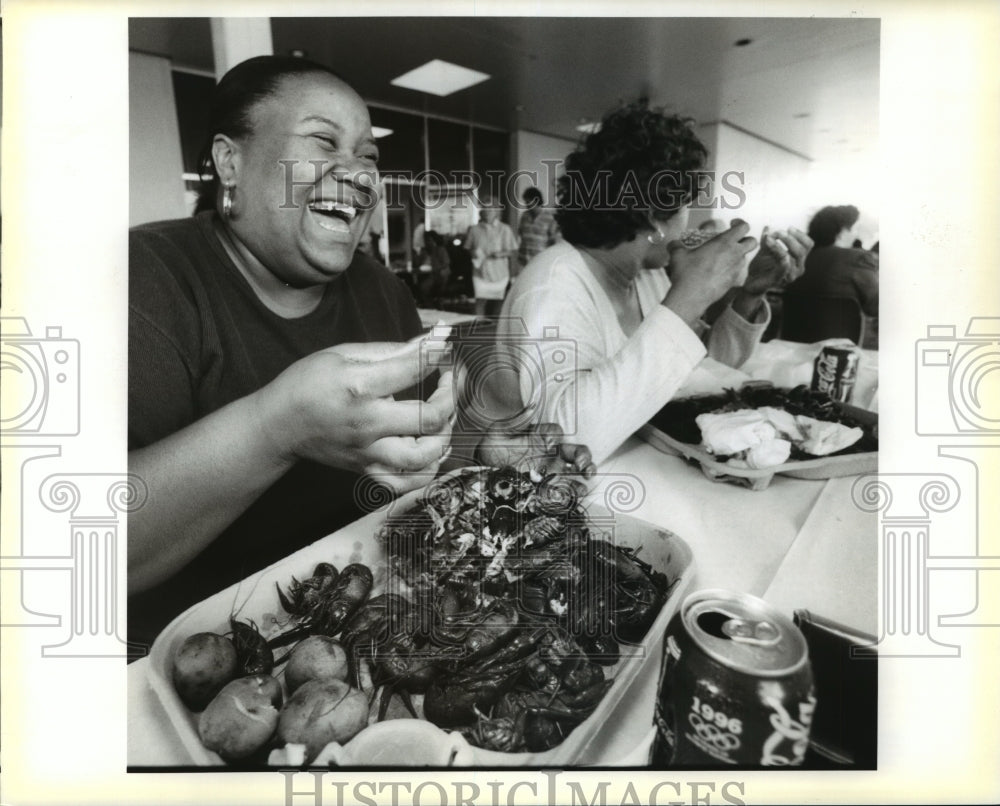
798, 544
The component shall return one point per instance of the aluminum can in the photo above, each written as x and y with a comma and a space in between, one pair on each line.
736, 687
835, 372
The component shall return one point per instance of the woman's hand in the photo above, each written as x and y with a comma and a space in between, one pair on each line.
699, 277
781, 259
335, 407
540, 448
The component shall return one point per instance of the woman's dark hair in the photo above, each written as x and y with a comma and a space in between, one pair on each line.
828, 223
640, 162
235, 96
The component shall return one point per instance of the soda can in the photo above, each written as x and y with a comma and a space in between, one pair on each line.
736, 687
835, 372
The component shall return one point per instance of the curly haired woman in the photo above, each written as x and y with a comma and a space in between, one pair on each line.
616, 333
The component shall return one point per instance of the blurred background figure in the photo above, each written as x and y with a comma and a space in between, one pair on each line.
537, 229
417, 243
492, 244
837, 295
434, 285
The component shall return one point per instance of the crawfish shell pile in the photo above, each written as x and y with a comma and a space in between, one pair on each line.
482, 526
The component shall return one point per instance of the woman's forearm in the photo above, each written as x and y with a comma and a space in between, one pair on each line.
199, 480
734, 336
607, 402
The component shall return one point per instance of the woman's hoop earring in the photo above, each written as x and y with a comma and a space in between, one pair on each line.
227, 201
660, 237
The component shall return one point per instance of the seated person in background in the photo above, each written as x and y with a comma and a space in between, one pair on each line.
434, 284
537, 229
833, 267
616, 334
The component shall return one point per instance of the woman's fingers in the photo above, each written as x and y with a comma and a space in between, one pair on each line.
791, 248
798, 243
384, 377
384, 417
399, 482
550, 435
579, 457
408, 454
379, 369
737, 235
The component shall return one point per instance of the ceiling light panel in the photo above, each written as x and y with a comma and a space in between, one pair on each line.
439, 78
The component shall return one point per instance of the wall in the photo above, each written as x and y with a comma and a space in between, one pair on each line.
156, 185
784, 189
774, 184
529, 151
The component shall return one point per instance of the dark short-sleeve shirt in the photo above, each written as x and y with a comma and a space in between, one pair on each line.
200, 338
836, 271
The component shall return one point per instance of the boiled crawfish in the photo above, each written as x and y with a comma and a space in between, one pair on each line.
386, 632
321, 606
253, 655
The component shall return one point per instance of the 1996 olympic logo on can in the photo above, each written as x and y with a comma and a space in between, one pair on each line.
736, 687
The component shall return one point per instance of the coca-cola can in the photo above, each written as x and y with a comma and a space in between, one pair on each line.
736, 687
835, 372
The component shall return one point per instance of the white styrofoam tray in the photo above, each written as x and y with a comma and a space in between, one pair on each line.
256, 598
820, 467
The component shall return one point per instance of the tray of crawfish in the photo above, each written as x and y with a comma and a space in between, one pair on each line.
675, 430
493, 618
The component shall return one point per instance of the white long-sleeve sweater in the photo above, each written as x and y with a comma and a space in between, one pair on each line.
576, 366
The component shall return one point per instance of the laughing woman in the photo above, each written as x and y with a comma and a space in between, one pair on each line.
260, 384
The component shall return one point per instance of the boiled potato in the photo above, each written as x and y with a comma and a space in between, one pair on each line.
242, 717
315, 658
320, 712
204, 663
270, 687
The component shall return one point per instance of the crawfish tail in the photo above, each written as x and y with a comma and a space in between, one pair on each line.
516, 649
